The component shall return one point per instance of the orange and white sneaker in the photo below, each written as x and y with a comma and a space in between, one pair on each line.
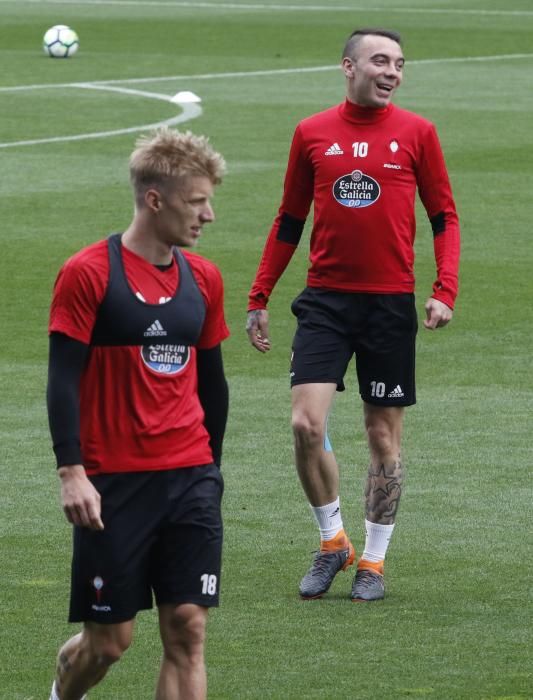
334, 555
368, 583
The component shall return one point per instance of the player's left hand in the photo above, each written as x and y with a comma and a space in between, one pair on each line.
438, 314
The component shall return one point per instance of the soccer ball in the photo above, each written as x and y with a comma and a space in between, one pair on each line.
60, 41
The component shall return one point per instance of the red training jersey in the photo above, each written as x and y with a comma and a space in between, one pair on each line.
137, 414
361, 167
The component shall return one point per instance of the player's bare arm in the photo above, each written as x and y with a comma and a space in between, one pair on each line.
257, 329
438, 314
79, 498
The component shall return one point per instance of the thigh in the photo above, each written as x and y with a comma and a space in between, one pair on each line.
385, 355
321, 348
312, 402
110, 581
186, 559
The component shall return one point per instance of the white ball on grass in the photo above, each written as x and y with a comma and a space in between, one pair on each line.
60, 41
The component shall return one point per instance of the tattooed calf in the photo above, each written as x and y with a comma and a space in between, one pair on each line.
382, 492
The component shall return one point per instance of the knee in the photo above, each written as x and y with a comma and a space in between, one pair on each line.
381, 438
183, 634
105, 655
104, 651
307, 430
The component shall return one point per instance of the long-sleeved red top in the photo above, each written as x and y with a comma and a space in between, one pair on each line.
361, 167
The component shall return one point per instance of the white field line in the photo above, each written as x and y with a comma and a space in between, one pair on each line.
265, 7
257, 73
191, 111
167, 78
126, 91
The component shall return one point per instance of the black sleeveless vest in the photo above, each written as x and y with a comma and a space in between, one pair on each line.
123, 319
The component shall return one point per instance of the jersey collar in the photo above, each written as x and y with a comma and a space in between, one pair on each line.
363, 115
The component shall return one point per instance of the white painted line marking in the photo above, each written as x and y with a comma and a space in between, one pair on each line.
191, 110
127, 91
257, 73
278, 7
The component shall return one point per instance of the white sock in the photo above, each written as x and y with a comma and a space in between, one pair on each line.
329, 519
377, 541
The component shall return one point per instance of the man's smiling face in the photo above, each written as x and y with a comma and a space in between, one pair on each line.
374, 72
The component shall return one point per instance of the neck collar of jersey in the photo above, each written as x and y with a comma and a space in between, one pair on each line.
363, 115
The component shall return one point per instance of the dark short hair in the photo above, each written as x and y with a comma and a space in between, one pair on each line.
356, 36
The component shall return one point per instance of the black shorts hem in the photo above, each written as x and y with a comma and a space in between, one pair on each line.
296, 382
299, 382
108, 619
390, 404
202, 601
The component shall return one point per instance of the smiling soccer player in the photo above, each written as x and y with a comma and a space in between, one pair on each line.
360, 164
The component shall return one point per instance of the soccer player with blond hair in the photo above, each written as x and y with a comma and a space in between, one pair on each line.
137, 404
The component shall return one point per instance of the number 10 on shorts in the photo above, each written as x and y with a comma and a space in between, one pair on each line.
377, 389
209, 584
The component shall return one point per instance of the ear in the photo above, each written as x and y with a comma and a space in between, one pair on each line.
348, 67
152, 199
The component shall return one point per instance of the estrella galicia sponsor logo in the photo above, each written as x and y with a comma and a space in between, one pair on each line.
166, 359
356, 190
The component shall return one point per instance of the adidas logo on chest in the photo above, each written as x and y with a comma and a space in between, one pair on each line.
155, 330
334, 150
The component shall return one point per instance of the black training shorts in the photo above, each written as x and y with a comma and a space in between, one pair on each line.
379, 329
163, 534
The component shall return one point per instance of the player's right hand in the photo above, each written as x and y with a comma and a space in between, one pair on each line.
80, 500
257, 329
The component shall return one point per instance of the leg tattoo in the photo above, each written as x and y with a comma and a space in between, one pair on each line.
63, 667
382, 493
63, 663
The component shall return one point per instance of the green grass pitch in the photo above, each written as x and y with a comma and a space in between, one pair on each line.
456, 620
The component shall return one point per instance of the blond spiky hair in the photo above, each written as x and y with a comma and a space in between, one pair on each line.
168, 155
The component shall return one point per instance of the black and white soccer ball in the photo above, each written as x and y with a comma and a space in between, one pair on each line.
60, 41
